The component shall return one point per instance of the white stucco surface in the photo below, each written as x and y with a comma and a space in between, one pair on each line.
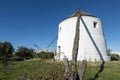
87, 49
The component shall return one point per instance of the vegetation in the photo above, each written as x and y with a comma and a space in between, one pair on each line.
35, 70
24, 52
6, 52
46, 55
44, 68
50, 70
110, 72
115, 57
6, 49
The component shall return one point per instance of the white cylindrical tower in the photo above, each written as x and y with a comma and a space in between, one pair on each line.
92, 44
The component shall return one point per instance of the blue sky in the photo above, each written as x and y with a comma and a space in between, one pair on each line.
28, 22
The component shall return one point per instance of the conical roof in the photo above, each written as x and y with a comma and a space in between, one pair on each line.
80, 13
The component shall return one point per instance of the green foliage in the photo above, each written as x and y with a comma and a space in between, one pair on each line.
114, 57
49, 70
35, 70
111, 71
6, 49
24, 52
6, 52
46, 55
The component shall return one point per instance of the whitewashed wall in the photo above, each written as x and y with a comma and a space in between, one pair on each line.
87, 50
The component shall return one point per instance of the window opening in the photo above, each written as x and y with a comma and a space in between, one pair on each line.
94, 24
60, 29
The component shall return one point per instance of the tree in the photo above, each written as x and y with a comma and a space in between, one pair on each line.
6, 52
24, 52
6, 49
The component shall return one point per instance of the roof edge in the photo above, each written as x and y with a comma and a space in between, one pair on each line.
80, 13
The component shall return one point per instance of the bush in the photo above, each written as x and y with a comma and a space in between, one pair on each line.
6, 53
46, 55
24, 52
114, 57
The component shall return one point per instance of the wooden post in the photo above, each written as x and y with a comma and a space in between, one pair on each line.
59, 52
81, 70
75, 50
67, 69
73, 74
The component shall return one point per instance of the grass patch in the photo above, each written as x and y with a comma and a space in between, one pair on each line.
50, 70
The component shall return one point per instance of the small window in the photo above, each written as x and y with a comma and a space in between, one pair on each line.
60, 29
95, 24
59, 46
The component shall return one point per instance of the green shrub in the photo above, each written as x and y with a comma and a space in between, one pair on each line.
46, 55
114, 57
24, 52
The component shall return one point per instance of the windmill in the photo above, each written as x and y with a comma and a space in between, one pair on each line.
79, 32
